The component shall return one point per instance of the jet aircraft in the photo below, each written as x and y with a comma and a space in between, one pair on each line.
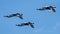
26, 24
17, 14
47, 8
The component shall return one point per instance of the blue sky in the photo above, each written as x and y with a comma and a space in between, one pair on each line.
46, 22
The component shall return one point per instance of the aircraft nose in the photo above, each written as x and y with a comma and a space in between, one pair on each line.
17, 24
37, 9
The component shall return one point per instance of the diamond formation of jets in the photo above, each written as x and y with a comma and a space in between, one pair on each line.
47, 8
26, 24
17, 14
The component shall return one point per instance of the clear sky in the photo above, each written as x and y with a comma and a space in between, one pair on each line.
46, 22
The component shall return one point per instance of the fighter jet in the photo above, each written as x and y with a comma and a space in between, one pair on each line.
48, 8
17, 14
26, 24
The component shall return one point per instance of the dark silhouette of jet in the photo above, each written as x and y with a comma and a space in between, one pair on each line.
48, 8
26, 24
17, 14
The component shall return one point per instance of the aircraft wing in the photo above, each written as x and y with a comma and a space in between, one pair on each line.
32, 25
53, 9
